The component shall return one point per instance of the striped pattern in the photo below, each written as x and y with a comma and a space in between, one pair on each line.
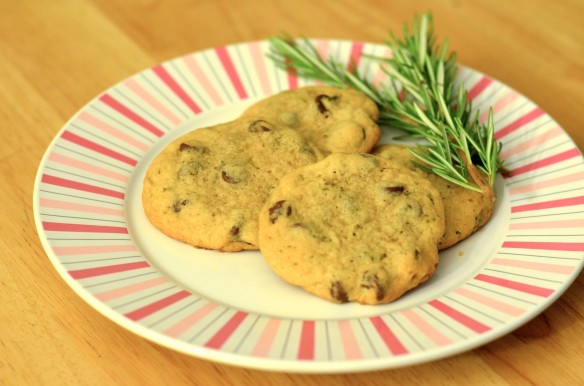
81, 211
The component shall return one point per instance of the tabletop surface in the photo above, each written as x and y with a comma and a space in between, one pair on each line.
55, 56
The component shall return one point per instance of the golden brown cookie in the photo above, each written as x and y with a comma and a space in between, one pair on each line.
352, 228
207, 187
334, 119
465, 210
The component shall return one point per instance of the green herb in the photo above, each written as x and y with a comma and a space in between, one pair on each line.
420, 99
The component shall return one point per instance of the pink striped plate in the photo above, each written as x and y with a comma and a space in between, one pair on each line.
231, 308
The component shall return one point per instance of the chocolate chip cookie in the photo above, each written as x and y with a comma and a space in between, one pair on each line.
334, 119
352, 228
207, 187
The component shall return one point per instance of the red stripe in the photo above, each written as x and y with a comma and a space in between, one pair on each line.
143, 312
58, 181
389, 338
63, 227
479, 87
306, 349
226, 331
354, 60
514, 285
69, 136
546, 161
461, 318
99, 271
572, 247
227, 63
120, 108
532, 115
292, 78
176, 88
549, 204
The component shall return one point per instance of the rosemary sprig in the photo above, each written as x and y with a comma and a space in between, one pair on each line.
420, 99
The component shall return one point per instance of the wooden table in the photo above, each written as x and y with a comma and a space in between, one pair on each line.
57, 55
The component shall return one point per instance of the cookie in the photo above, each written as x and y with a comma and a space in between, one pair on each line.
334, 119
352, 228
465, 210
207, 187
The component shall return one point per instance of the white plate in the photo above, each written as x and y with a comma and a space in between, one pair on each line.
231, 308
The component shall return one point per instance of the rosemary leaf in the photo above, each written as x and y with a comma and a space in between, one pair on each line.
419, 98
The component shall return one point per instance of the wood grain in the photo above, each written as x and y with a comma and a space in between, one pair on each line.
55, 56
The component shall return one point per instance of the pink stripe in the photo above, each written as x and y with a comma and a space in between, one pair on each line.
180, 327
62, 182
130, 289
458, 316
109, 269
106, 128
479, 87
490, 302
579, 223
514, 285
350, 345
524, 120
147, 97
435, 336
322, 47
69, 136
161, 304
500, 105
92, 249
355, 58
227, 63
173, 85
264, 344
63, 227
563, 156
198, 73
219, 339
56, 204
572, 201
122, 109
56, 157
389, 338
553, 182
532, 142
259, 63
306, 348
543, 267
542, 245
380, 76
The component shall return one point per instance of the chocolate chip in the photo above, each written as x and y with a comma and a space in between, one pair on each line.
259, 126
275, 211
394, 189
338, 292
234, 231
178, 204
371, 281
229, 179
320, 105
193, 148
